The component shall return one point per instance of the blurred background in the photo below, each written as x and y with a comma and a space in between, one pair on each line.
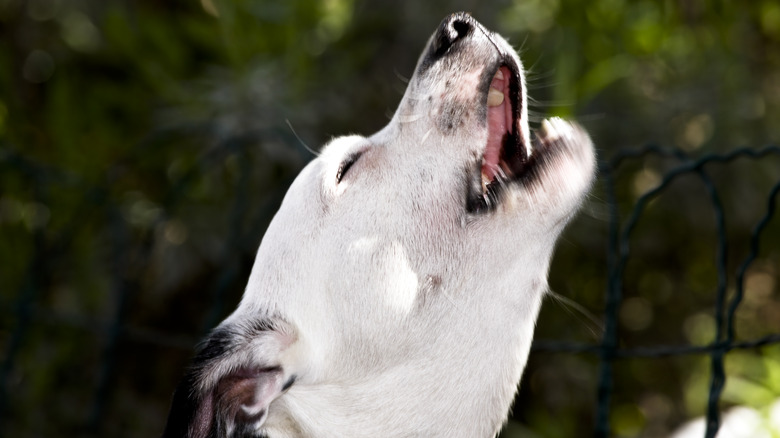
145, 145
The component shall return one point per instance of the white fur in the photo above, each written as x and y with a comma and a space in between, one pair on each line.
408, 316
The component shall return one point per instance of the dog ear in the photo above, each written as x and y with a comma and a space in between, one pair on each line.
225, 392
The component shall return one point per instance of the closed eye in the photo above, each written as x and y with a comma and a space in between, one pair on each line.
346, 165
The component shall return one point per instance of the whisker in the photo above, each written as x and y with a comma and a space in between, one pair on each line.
312, 151
401, 77
592, 324
452, 301
425, 137
418, 96
500, 175
409, 118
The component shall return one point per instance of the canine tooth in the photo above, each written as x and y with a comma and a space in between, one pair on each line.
548, 129
485, 182
495, 97
499, 75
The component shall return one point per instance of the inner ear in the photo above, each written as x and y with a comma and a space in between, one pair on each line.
234, 377
243, 396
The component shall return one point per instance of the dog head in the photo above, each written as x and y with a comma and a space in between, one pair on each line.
396, 290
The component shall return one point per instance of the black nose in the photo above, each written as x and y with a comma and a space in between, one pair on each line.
451, 30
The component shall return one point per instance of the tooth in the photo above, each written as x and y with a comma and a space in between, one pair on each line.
549, 131
495, 97
485, 182
545, 128
499, 75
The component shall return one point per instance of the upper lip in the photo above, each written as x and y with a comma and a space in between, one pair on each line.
513, 154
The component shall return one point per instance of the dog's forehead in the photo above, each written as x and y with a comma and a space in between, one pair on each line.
338, 147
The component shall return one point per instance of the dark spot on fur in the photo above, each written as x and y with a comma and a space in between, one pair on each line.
452, 115
289, 383
215, 345
427, 290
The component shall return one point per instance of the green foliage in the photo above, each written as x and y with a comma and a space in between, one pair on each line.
144, 146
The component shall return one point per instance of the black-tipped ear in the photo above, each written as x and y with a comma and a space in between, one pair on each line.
223, 396
192, 409
192, 414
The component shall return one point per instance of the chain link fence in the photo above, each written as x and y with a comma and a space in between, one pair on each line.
619, 250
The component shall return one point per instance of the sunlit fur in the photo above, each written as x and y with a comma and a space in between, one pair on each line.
397, 312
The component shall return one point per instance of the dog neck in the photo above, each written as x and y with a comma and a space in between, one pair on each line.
411, 398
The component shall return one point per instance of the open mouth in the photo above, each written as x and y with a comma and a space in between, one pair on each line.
505, 156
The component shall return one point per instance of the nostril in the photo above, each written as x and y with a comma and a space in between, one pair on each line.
451, 30
461, 28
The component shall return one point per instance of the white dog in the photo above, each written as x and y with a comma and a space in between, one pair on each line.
396, 290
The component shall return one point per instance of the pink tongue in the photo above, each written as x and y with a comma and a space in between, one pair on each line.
499, 123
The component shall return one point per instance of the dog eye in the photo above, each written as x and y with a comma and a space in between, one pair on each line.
346, 165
